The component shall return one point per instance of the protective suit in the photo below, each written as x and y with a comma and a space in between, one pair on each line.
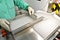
7, 10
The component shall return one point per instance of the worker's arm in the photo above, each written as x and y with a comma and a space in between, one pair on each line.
23, 5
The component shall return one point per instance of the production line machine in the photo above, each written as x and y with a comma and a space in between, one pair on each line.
40, 26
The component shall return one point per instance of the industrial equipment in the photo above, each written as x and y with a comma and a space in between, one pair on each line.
40, 26
45, 25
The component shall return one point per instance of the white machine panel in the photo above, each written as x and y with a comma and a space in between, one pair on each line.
38, 5
46, 27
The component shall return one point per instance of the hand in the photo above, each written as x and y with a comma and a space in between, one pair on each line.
4, 24
30, 10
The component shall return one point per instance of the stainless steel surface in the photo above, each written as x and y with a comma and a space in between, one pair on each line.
16, 25
45, 28
28, 34
24, 22
48, 26
55, 34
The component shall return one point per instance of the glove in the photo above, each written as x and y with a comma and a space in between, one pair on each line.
30, 10
4, 24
